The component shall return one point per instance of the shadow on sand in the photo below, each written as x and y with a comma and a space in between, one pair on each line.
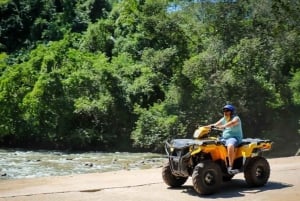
235, 188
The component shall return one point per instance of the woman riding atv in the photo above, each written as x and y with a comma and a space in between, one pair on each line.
232, 133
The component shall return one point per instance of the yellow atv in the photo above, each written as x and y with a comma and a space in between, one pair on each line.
205, 160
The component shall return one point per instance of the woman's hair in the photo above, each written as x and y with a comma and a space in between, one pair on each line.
231, 109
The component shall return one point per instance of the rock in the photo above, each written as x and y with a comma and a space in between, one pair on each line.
3, 174
89, 164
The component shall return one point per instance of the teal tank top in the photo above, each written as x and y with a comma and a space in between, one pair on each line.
235, 131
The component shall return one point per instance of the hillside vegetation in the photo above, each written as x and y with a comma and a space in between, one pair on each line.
129, 74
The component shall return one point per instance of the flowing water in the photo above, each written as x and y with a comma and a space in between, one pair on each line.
29, 164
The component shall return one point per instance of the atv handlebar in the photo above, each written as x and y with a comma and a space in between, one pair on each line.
214, 128
205, 131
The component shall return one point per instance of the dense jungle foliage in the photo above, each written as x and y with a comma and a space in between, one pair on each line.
129, 74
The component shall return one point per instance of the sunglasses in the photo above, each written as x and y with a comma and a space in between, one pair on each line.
226, 110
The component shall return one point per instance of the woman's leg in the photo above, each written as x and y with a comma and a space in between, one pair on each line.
231, 144
231, 154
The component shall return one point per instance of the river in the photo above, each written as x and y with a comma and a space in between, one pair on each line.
15, 164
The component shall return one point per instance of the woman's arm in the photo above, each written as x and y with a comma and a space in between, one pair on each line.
233, 122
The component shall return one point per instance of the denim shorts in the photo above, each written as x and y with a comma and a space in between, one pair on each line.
230, 141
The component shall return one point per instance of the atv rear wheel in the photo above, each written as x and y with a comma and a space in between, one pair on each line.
207, 177
257, 171
170, 179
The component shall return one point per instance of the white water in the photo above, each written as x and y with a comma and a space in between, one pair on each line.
29, 164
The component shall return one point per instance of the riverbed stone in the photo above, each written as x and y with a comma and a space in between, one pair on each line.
3, 174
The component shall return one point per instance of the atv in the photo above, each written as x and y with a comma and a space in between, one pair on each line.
205, 160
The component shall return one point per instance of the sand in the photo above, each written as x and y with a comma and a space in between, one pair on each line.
147, 185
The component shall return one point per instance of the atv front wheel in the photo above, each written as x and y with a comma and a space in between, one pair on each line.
207, 177
170, 179
257, 171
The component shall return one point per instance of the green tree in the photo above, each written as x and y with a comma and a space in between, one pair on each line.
154, 126
15, 83
295, 87
3, 64
25, 23
47, 111
98, 37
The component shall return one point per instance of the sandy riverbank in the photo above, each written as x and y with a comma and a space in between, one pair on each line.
147, 185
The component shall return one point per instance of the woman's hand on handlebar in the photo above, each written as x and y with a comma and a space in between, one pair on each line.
218, 128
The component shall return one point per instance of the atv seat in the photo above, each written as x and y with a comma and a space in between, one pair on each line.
243, 143
252, 140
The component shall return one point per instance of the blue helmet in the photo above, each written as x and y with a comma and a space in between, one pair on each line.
230, 108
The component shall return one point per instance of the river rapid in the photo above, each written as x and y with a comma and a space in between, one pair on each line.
15, 164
